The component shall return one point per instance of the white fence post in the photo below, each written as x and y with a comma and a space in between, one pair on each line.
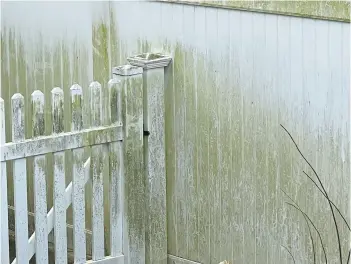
134, 186
116, 170
20, 182
4, 254
41, 238
59, 179
154, 154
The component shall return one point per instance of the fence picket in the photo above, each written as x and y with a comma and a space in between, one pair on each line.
41, 241
95, 104
78, 179
20, 182
98, 251
59, 179
116, 170
3, 187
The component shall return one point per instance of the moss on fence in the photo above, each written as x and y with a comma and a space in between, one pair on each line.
326, 10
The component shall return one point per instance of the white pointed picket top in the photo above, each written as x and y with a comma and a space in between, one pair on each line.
57, 110
38, 98
76, 89
17, 101
38, 122
95, 104
76, 101
115, 101
57, 90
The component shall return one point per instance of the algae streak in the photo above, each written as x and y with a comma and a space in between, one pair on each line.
326, 10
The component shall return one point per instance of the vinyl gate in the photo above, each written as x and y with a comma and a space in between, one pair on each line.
122, 113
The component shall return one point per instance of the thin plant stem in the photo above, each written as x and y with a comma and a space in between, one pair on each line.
337, 209
289, 253
308, 225
315, 228
326, 193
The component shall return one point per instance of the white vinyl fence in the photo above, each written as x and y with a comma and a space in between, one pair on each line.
105, 141
126, 138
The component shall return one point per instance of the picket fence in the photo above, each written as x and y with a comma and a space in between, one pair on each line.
104, 141
115, 135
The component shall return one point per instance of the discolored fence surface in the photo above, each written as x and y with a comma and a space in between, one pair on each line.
236, 76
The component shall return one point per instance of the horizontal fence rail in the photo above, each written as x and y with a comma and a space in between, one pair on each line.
103, 136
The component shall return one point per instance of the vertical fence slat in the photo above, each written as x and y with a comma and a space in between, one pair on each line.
20, 182
40, 204
78, 179
59, 179
116, 170
95, 104
3, 187
98, 251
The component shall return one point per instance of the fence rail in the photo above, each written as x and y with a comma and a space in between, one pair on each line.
104, 141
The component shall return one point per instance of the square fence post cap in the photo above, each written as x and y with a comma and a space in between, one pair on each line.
150, 60
127, 70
